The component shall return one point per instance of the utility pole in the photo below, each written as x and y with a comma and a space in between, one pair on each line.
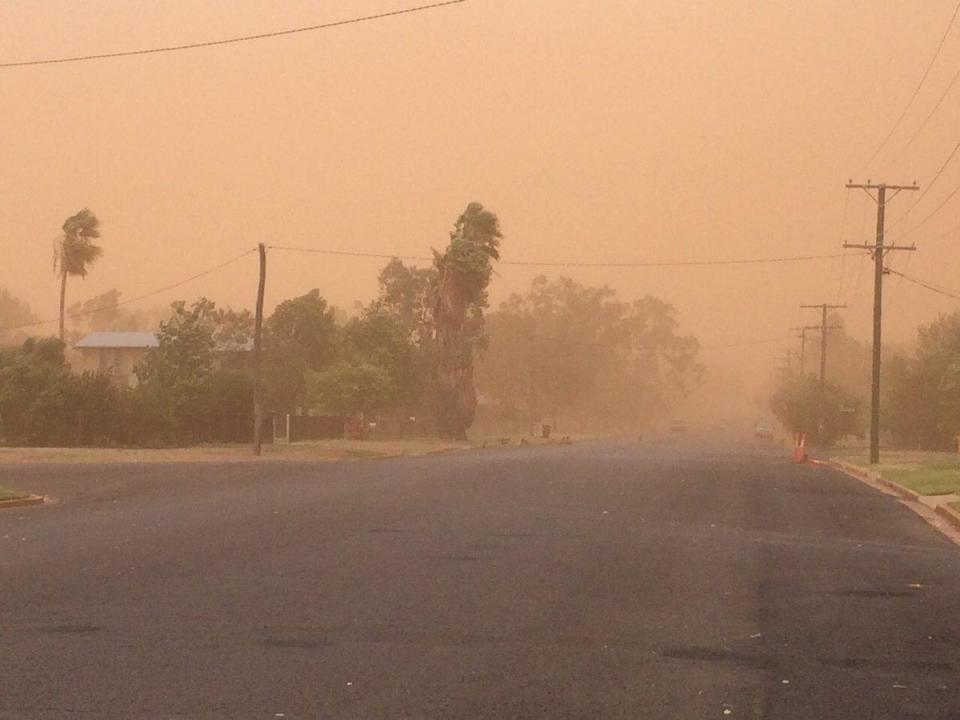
531, 378
803, 344
786, 368
878, 250
823, 327
257, 332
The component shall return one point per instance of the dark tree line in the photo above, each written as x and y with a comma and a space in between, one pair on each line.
413, 352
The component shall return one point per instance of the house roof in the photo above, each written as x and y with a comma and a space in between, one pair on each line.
115, 339
131, 339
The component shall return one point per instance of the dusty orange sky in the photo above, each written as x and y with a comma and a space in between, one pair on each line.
598, 131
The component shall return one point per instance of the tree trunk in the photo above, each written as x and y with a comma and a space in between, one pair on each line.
457, 395
63, 303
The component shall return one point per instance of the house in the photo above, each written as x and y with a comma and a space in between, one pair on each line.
114, 353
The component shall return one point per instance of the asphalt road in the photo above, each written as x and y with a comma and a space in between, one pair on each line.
598, 580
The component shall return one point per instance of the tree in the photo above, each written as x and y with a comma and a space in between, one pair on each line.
13, 313
796, 403
106, 312
409, 293
380, 339
184, 352
299, 336
180, 379
922, 392
25, 373
463, 274
74, 252
349, 389
565, 348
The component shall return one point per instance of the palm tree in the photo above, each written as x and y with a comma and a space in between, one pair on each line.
463, 274
74, 251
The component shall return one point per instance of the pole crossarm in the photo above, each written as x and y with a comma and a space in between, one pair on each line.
883, 248
876, 186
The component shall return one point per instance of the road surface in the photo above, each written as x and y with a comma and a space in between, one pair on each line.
599, 580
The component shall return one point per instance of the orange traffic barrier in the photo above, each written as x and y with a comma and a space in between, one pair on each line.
800, 447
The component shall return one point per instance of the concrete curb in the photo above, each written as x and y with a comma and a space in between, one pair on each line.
949, 514
944, 519
874, 477
21, 502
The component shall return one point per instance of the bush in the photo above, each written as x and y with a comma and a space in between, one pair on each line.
796, 403
73, 410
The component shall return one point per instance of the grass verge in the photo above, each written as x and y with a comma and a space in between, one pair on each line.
10, 494
926, 473
312, 450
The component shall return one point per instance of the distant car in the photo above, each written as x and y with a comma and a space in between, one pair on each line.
678, 427
763, 431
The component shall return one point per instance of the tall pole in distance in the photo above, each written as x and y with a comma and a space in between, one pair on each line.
823, 327
823, 362
257, 332
878, 249
803, 350
803, 345
531, 359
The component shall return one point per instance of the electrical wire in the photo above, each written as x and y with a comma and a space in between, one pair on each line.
926, 120
942, 235
924, 284
549, 263
916, 91
748, 343
843, 241
936, 177
138, 298
928, 216
229, 41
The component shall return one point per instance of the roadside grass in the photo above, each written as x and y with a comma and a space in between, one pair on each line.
955, 505
926, 473
307, 450
10, 494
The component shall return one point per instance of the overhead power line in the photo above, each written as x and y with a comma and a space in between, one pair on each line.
923, 284
926, 120
943, 167
230, 41
348, 253
128, 301
926, 218
551, 263
916, 90
748, 343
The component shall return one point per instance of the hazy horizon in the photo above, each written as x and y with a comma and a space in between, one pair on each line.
597, 132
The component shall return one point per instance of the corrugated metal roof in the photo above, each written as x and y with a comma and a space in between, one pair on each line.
115, 339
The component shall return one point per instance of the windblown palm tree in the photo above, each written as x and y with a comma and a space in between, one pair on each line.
74, 251
463, 274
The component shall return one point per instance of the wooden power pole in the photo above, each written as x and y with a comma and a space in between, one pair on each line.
257, 372
803, 344
878, 250
823, 327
